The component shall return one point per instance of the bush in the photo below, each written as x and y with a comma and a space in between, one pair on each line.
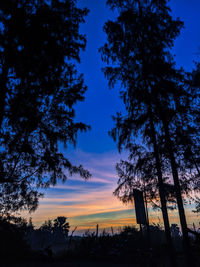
13, 245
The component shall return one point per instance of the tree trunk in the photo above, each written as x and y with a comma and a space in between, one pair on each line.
177, 186
160, 183
162, 194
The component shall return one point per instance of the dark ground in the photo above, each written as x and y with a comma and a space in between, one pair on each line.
62, 264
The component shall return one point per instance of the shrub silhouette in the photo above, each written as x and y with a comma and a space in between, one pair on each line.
13, 245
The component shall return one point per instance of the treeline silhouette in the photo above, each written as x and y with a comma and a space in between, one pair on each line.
40, 44
52, 243
160, 129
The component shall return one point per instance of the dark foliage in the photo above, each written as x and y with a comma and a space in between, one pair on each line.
39, 86
137, 53
13, 245
160, 104
59, 226
129, 246
139, 172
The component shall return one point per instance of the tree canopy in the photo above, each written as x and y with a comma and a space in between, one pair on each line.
153, 90
40, 44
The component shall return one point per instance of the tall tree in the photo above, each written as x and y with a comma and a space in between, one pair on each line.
138, 48
189, 144
39, 86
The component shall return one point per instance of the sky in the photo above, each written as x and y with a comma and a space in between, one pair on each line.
87, 203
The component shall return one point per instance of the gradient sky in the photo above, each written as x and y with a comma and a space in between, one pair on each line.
92, 202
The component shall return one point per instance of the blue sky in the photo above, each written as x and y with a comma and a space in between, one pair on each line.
100, 102
88, 203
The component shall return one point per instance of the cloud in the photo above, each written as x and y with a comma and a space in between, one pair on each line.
87, 203
78, 197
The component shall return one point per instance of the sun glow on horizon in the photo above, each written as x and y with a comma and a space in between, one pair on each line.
88, 203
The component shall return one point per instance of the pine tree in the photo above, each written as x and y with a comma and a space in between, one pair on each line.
137, 50
39, 86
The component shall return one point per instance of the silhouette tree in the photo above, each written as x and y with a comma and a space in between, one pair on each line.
139, 172
61, 225
39, 86
186, 137
154, 91
138, 48
47, 226
58, 226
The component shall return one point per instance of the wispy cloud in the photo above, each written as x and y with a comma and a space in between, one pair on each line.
87, 203
78, 197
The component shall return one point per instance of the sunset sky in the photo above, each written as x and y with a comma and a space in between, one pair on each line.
87, 203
